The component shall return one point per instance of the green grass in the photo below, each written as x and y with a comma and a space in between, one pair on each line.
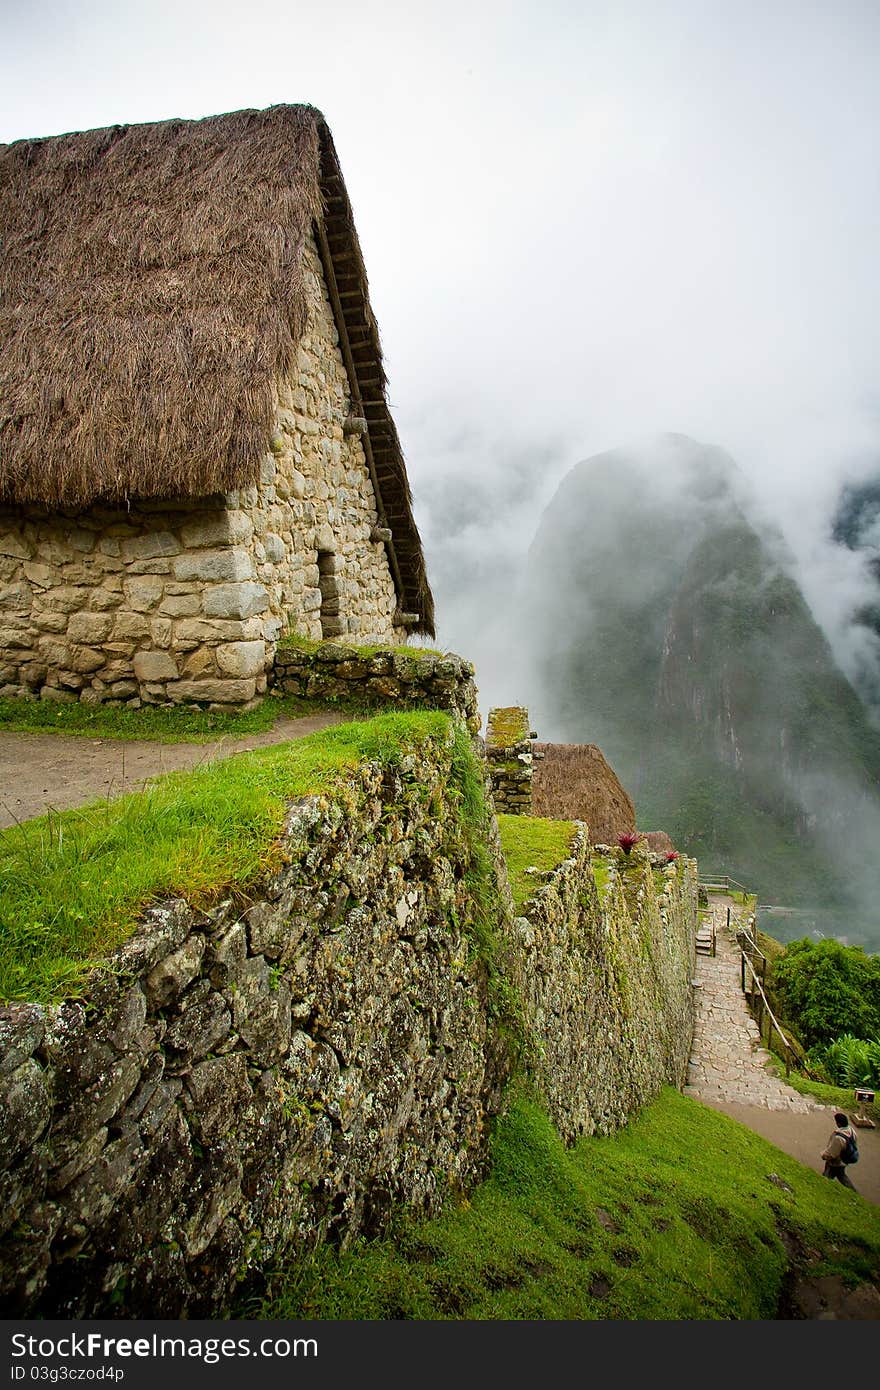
509, 726
841, 1097
310, 646
532, 842
174, 724
674, 1217
601, 866
71, 884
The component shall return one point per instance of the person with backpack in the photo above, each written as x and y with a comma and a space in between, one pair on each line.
840, 1151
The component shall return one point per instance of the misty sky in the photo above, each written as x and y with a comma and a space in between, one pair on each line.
584, 223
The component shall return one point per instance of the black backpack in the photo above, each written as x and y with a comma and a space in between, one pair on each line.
850, 1149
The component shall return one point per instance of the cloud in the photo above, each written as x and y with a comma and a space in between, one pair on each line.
583, 223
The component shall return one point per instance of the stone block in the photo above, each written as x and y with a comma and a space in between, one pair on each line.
232, 565
22, 1027
86, 659
216, 1089
228, 692
174, 972
130, 627
160, 632
231, 527
40, 575
241, 658
181, 605
89, 628
14, 545
105, 600
155, 666
274, 547
143, 593
16, 597
202, 1024
150, 546
242, 600
199, 664
33, 673
46, 621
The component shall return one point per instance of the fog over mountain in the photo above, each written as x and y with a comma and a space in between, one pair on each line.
659, 618
856, 526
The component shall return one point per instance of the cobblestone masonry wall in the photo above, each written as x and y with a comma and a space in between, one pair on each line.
388, 678
603, 964
170, 601
252, 1080
255, 1078
509, 751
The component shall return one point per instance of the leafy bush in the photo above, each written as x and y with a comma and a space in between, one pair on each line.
827, 990
850, 1061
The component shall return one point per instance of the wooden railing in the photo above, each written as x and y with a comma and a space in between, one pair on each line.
763, 1010
723, 883
749, 950
753, 967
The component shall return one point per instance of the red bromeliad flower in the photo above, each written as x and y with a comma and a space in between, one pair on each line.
628, 839
671, 856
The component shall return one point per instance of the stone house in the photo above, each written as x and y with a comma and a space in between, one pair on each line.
196, 451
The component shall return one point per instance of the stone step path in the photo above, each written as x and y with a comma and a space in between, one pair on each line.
728, 1064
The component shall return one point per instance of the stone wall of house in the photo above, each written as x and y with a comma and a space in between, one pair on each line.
251, 1080
169, 602
603, 966
390, 678
509, 752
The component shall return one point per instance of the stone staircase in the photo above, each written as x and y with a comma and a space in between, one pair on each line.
728, 1063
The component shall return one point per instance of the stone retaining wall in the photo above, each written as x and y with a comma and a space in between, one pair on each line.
390, 677
260, 1077
246, 1082
603, 965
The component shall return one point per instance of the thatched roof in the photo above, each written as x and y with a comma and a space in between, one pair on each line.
573, 781
151, 292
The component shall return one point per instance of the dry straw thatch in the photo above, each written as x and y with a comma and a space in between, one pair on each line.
151, 293
573, 781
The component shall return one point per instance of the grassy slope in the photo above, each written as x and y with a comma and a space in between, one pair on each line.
532, 842
674, 1217
71, 884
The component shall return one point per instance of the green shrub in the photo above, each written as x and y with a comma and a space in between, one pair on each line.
850, 1061
828, 990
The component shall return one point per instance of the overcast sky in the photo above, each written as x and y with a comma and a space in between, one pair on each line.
583, 223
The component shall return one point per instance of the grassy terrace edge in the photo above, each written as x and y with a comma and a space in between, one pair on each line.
72, 883
680, 1215
157, 723
532, 842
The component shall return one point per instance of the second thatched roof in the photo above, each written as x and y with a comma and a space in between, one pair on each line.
152, 291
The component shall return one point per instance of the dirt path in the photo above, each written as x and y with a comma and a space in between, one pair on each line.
42, 772
805, 1136
729, 1068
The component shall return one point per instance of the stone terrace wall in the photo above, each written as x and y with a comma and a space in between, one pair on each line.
509, 751
604, 975
168, 601
386, 677
258, 1077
